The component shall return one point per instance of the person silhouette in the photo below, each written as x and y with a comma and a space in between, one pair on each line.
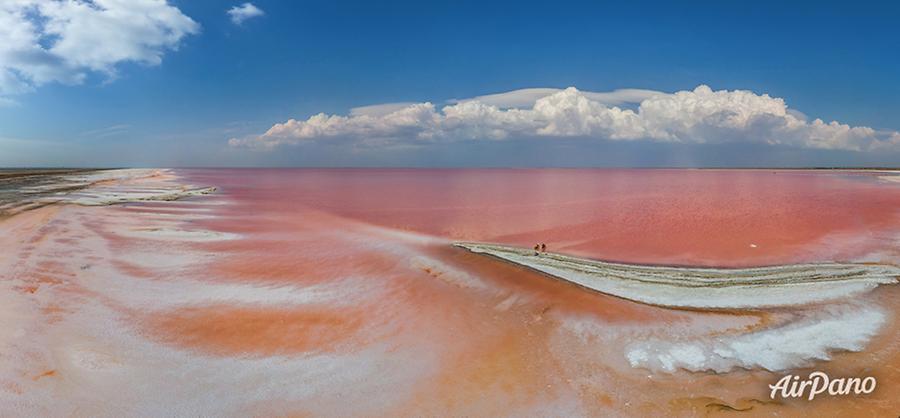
543, 247
537, 249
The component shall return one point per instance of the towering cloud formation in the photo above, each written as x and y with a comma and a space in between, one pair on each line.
43, 41
698, 116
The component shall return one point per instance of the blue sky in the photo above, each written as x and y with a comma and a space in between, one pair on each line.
221, 81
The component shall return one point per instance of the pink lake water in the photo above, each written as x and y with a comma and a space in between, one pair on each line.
332, 292
690, 217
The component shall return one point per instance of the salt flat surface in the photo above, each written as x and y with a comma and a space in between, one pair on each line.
336, 293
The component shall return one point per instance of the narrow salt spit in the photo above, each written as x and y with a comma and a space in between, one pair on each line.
687, 287
796, 337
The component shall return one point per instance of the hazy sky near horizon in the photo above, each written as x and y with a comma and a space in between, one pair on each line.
338, 83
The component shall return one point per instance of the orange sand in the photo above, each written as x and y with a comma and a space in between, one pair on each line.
226, 330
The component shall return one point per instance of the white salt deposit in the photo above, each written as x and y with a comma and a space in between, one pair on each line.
842, 327
689, 287
109, 187
892, 178
797, 337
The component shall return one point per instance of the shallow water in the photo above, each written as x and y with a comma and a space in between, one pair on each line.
336, 293
690, 217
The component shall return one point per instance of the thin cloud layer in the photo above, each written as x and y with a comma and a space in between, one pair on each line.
528, 97
239, 14
699, 116
44, 41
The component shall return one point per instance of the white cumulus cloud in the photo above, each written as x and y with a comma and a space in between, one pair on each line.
694, 116
43, 41
381, 109
243, 12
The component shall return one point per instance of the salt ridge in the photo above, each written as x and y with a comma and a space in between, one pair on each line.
796, 343
709, 288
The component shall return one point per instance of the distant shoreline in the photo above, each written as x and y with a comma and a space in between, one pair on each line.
11, 173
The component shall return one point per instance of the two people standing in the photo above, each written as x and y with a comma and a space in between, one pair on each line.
540, 248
